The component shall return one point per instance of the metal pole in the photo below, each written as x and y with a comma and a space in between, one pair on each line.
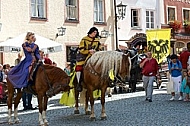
116, 41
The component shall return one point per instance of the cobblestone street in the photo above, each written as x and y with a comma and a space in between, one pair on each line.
128, 109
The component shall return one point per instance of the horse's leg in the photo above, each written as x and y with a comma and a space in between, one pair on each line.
92, 116
103, 113
76, 111
40, 104
44, 110
9, 101
87, 111
16, 102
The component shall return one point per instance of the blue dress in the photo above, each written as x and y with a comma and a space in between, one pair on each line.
184, 88
19, 74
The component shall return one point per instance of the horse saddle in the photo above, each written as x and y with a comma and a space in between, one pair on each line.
31, 80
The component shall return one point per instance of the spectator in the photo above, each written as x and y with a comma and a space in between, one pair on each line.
17, 61
184, 58
149, 67
3, 76
185, 85
175, 68
47, 60
67, 69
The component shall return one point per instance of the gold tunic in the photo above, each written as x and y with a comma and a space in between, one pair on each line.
87, 44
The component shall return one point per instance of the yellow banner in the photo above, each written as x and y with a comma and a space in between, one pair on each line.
158, 42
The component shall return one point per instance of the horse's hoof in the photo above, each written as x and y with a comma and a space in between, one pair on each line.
109, 95
88, 112
76, 112
92, 118
104, 118
17, 121
41, 124
10, 123
46, 124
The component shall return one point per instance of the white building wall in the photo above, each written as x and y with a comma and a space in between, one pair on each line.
125, 31
15, 19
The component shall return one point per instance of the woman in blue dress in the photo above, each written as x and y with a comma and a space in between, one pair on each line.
19, 75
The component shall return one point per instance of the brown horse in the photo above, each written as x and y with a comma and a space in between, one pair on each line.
49, 81
96, 76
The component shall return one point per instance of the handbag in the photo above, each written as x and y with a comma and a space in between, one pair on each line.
81, 57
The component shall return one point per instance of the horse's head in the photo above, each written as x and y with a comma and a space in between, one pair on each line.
125, 67
59, 87
57, 80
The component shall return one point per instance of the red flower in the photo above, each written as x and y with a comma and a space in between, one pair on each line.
187, 28
176, 25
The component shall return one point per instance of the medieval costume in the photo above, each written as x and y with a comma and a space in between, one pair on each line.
19, 74
88, 44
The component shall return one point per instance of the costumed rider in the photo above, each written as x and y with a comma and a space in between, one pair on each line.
21, 73
88, 46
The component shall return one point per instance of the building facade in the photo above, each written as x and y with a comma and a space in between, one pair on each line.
177, 17
43, 17
141, 15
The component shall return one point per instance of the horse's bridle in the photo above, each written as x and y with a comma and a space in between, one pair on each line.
51, 89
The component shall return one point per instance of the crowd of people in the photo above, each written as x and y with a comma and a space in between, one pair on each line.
179, 69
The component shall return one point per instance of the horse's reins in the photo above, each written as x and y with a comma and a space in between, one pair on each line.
134, 56
47, 79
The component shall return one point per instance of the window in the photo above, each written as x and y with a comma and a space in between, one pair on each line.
186, 15
149, 19
171, 14
38, 9
98, 11
134, 18
72, 10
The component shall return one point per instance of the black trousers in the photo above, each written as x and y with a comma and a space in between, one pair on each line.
27, 98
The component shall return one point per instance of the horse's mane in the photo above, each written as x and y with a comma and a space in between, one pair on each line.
106, 60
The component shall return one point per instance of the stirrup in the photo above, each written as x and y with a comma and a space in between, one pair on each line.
79, 87
112, 84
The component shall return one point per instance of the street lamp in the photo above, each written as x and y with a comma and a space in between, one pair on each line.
121, 10
104, 34
121, 14
61, 31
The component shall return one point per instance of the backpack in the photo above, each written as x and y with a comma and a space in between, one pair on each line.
171, 63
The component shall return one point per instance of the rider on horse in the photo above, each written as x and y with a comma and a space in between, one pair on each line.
88, 46
20, 74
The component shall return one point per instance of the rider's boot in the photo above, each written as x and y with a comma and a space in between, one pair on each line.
79, 84
32, 72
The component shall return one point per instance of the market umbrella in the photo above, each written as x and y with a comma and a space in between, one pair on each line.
15, 44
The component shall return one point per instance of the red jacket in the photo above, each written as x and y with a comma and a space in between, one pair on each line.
184, 56
150, 67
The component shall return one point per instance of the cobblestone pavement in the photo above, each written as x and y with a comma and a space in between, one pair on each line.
129, 109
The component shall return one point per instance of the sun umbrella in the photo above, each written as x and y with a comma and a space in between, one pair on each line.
15, 44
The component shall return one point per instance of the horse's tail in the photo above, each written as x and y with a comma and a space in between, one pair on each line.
83, 97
